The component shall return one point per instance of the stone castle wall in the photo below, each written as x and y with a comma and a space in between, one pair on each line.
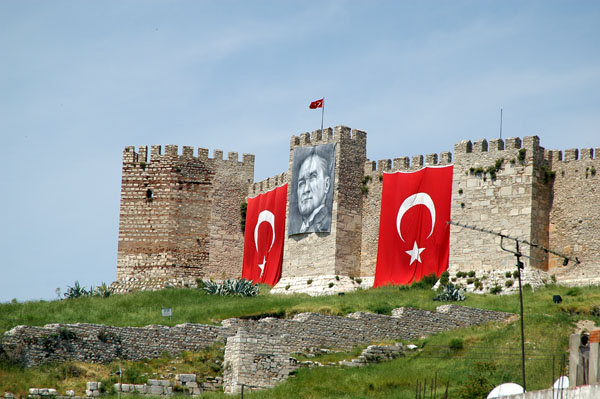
180, 213
190, 226
532, 194
371, 188
507, 203
574, 215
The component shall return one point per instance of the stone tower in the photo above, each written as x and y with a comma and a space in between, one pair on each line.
336, 252
180, 213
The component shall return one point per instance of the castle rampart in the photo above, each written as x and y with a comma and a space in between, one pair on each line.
268, 184
180, 212
495, 187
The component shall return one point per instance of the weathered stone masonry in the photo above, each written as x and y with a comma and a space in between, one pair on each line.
32, 346
180, 214
188, 224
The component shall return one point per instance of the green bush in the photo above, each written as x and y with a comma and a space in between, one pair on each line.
515, 274
456, 344
243, 212
477, 384
471, 273
444, 278
381, 308
496, 290
427, 281
508, 283
574, 291
507, 274
66, 334
133, 375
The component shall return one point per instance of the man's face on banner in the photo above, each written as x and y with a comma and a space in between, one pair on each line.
313, 184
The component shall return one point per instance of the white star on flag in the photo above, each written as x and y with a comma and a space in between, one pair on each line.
262, 266
415, 253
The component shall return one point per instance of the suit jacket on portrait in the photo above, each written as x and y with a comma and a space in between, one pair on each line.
321, 222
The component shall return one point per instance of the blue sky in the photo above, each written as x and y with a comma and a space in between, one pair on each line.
80, 80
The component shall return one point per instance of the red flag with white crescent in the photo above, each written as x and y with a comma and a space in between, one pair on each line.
414, 236
264, 235
316, 104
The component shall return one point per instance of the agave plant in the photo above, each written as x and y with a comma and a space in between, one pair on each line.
451, 293
103, 290
76, 291
238, 287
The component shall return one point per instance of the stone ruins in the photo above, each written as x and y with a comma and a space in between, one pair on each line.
257, 353
180, 212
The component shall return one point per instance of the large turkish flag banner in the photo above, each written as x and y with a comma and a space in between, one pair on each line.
263, 238
414, 236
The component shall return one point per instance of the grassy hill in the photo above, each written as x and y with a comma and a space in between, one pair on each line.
493, 349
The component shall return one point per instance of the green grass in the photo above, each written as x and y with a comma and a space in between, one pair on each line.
547, 327
194, 306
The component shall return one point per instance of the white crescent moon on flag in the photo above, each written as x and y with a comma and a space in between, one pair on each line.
413, 200
264, 216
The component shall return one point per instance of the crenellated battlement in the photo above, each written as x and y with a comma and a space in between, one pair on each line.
482, 145
267, 184
405, 163
558, 157
329, 135
171, 152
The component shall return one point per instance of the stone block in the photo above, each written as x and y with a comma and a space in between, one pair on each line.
139, 388
34, 391
186, 377
70, 392
92, 385
154, 382
156, 389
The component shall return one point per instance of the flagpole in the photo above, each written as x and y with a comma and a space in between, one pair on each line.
322, 115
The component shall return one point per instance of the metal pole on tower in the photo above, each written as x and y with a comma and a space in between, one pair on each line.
322, 115
500, 123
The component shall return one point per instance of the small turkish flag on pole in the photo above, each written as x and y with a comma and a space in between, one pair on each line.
316, 104
414, 234
319, 104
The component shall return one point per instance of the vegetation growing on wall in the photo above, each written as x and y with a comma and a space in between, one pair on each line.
243, 211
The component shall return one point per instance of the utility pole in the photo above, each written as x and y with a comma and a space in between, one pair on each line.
520, 266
